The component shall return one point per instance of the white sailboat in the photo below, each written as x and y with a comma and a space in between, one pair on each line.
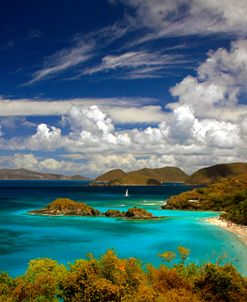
126, 193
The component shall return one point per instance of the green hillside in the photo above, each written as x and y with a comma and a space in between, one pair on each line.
210, 174
135, 179
228, 195
144, 176
110, 175
165, 174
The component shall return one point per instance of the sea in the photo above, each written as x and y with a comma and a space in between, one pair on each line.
24, 237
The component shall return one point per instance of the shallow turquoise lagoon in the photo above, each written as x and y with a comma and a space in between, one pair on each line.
24, 237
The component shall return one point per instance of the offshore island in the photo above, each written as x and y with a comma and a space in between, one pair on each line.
69, 207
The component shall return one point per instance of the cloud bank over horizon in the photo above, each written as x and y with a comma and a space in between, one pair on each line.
204, 125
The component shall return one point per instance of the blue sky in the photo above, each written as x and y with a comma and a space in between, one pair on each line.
87, 86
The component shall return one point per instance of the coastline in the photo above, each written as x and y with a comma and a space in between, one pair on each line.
238, 230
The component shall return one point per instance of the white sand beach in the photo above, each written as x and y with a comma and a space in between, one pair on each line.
239, 230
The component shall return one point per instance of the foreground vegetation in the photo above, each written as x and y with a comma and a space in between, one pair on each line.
113, 279
228, 195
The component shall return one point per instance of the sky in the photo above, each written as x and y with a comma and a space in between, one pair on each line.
89, 86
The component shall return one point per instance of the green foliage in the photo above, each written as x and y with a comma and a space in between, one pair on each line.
220, 284
228, 195
183, 253
168, 256
111, 279
138, 213
66, 206
114, 213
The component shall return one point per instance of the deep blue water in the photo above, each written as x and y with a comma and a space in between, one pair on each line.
24, 237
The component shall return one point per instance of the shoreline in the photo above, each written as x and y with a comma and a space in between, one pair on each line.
239, 230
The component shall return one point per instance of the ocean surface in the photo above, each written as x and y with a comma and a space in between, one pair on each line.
24, 237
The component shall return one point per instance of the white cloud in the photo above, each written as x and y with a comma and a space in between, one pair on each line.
121, 110
27, 161
94, 135
63, 60
13, 122
160, 18
136, 64
184, 17
81, 50
219, 81
190, 135
45, 138
95, 120
243, 125
31, 162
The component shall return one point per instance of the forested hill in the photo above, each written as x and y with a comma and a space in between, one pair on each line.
144, 176
147, 176
229, 195
210, 174
110, 175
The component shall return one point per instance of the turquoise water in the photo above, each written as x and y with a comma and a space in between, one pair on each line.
24, 237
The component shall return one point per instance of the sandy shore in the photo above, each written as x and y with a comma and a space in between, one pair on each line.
239, 230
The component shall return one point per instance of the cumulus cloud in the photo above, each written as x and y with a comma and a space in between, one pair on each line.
31, 162
45, 138
219, 81
189, 135
27, 161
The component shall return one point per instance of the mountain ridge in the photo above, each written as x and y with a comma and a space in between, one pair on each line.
145, 176
157, 176
210, 174
24, 174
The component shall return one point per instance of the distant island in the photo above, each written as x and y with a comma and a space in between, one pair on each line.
142, 177
69, 207
118, 177
24, 174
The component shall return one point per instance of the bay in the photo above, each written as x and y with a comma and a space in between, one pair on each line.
24, 237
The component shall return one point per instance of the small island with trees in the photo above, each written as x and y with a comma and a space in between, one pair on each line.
69, 207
